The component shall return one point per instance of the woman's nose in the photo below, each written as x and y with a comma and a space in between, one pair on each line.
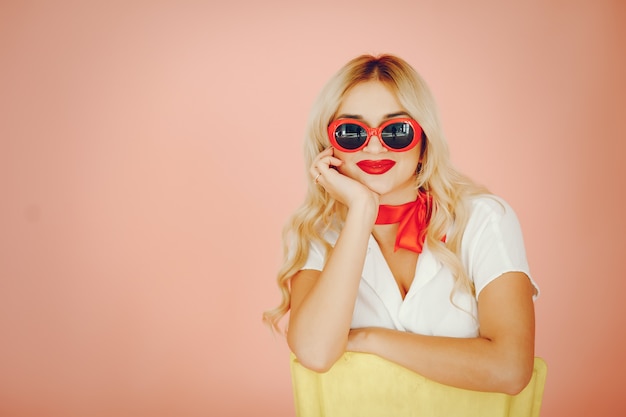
374, 145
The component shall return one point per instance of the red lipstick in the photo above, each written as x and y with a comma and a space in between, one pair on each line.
376, 167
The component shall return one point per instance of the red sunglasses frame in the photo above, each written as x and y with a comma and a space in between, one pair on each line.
375, 131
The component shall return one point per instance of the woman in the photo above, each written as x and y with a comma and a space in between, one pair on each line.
396, 253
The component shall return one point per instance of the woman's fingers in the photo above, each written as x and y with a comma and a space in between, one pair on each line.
344, 189
322, 165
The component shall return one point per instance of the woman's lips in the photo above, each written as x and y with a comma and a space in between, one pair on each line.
376, 167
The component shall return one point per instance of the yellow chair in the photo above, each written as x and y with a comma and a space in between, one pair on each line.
365, 385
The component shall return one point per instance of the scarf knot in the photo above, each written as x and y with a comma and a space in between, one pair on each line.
412, 218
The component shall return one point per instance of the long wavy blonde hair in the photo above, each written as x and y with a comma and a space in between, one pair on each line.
320, 212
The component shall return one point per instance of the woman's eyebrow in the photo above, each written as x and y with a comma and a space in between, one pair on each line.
349, 116
359, 117
392, 115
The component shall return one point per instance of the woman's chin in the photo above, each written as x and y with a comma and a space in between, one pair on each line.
393, 195
380, 190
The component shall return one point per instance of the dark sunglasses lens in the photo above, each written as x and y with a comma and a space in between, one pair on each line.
398, 135
350, 136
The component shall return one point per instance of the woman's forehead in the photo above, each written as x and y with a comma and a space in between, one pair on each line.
371, 101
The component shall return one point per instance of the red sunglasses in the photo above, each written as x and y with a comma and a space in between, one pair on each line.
398, 135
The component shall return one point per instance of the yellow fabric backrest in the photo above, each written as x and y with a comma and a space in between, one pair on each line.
365, 385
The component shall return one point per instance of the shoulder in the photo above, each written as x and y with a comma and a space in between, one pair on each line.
489, 205
492, 222
488, 208
329, 238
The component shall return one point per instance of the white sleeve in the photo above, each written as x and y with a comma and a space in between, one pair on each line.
315, 259
493, 243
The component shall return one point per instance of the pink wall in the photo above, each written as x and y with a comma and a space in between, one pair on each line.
150, 153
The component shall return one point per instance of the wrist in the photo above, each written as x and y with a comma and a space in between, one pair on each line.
365, 207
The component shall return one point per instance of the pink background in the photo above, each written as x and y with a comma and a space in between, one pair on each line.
150, 154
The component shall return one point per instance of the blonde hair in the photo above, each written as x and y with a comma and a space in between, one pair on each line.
320, 212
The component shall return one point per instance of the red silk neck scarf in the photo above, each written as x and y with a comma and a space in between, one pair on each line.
412, 219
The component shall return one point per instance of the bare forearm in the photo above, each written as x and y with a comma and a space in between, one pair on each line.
471, 363
319, 326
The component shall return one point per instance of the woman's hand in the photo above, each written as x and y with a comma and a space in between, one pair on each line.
341, 187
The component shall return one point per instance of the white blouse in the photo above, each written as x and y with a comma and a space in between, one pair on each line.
492, 245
